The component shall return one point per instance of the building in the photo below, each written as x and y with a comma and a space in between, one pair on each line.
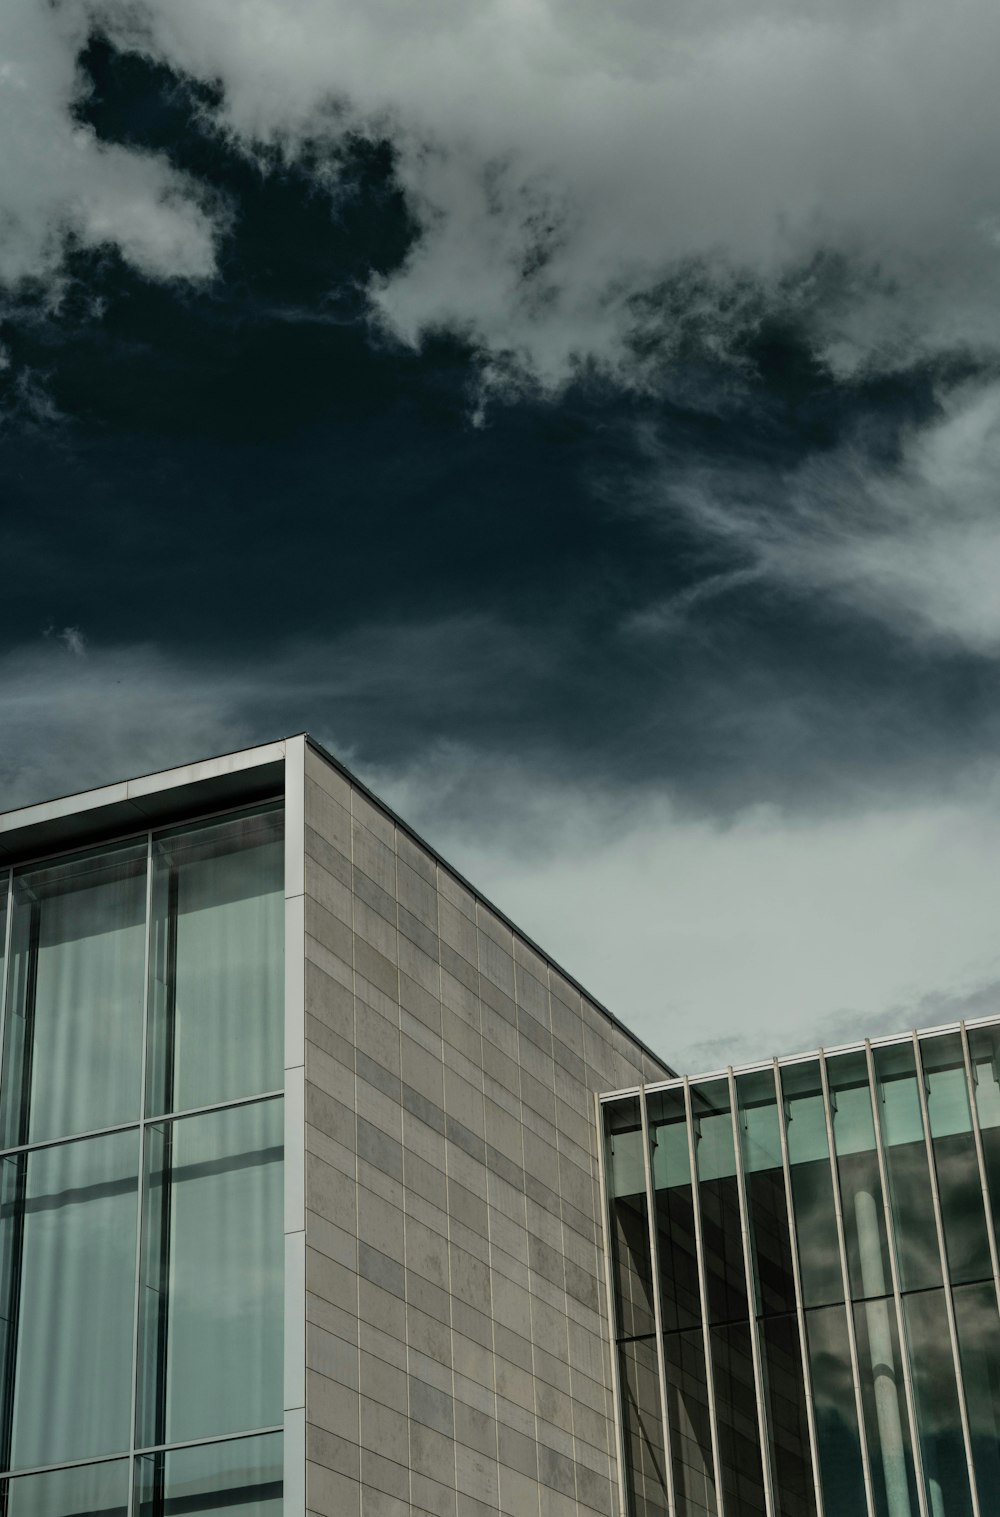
324, 1191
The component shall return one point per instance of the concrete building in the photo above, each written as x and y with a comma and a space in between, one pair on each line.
323, 1190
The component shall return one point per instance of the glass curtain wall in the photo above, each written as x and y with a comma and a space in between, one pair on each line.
141, 1176
814, 1242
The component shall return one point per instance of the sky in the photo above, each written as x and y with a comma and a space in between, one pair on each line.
584, 420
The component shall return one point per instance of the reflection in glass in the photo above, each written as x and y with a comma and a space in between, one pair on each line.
960, 1190
645, 1460
210, 1319
626, 1177
906, 1163
979, 1349
690, 1424
836, 1415
791, 1463
883, 1397
736, 1419
984, 1048
242, 1475
73, 1031
812, 1184
938, 1420
718, 1194
67, 1250
216, 976
868, 1267
88, 1490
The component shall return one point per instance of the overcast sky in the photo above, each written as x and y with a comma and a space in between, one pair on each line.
584, 419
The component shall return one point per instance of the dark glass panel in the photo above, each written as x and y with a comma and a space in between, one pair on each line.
216, 963
718, 1194
242, 1476
690, 1426
841, 1472
868, 1266
959, 1187
73, 1032
67, 1251
770, 1238
978, 1326
89, 1490
643, 1428
984, 1047
791, 1465
211, 1303
812, 1184
680, 1301
939, 1424
883, 1397
630, 1256
736, 1421
906, 1162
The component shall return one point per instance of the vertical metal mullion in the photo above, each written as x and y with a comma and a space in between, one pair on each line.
897, 1294
977, 1134
720, 1501
949, 1304
654, 1261
616, 1390
141, 1180
800, 1312
852, 1339
751, 1284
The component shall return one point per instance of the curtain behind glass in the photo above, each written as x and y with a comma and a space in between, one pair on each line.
73, 1032
217, 988
68, 1234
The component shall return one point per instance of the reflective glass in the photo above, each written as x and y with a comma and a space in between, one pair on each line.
73, 1030
791, 1464
938, 1421
690, 1426
883, 1397
88, 1490
67, 1235
836, 1415
216, 975
212, 1254
978, 1324
770, 1238
812, 1184
910, 1193
868, 1266
736, 1420
645, 1459
631, 1261
680, 1300
960, 1189
984, 1048
242, 1475
718, 1196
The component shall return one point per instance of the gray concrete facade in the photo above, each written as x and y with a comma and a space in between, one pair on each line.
457, 1357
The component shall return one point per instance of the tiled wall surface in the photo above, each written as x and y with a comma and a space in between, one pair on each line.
456, 1337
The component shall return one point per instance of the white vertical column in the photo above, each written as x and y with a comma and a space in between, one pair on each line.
654, 1262
141, 1190
703, 1297
616, 1392
294, 1401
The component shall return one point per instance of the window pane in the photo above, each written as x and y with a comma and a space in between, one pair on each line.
979, 1346
770, 1238
962, 1215
836, 1417
633, 1270
984, 1046
786, 1409
243, 1476
906, 1163
690, 1427
736, 1419
812, 1184
645, 1463
217, 986
884, 1400
868, 1265
67, 1231
718, 1197
211, 1301
89, 1490
73, 1034
676, 1248
938, 1424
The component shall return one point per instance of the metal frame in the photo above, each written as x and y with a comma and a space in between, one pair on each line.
616, 1392
654, 1261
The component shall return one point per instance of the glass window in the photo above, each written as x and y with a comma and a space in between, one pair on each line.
862, 1205
771, 1246
883, 1397
791, 1462
671, 1164
645, 1461
67, 1236
984, 1048
211, 1297
812, 1184
959, 1187
978, 1325
938, 1421
626, 1172
88, 1490
906, 1163
690, 1426
736, 1420
836, 1415
718, 1197
217, 980
73, 1031
241, 1475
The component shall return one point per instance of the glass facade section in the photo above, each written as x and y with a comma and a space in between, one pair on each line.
815, 1243
172, 943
